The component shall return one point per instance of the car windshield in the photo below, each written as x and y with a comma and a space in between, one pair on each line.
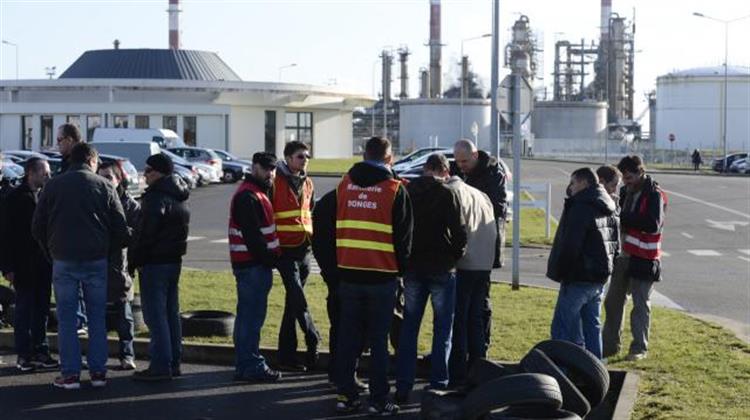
225, 155
176, 159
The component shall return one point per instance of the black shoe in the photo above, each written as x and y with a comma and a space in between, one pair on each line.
46, 361
311, 358
402, 397
148, 375
346, 405
268, 375
383, 410
176, 372
25, 365
291, 367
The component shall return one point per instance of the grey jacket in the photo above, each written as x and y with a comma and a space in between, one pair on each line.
79, 217
481, 230
119, 282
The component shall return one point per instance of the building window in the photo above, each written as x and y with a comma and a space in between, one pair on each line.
120, 121
299, 126
74, 119
48, 136
27, 122
169, 122
189, 125
271, 132
141, 121
92, 123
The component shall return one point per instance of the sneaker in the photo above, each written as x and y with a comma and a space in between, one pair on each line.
345, 404
99, 380
384, 410
361, 386
402, 397
176, 372
83, 331
292, 367
148, 375
634, 357
67, 382
127, 364
25, 365
268, 375
46, 361
311, 358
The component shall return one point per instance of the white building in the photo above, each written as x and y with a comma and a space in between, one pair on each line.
193, 93
690, 105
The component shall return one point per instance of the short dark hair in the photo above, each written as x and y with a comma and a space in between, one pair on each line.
72, 131
377, 148
83, 153
293, 146
633, 164
585, 174
436, 162
607, 173
32, 164
111, 164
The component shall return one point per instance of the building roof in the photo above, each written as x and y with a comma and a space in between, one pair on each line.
711, 71
150, 64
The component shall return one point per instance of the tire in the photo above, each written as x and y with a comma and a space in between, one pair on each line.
441, 405
484, 370
534, 413
537, 362
580, 366
229, 177
520, 389
207, 323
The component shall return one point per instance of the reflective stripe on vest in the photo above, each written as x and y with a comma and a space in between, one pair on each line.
238, 252
293, 219
641, 244
364, 226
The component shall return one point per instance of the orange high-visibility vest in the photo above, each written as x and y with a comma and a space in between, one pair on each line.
238, 252
641, 244
293, 218
364, 226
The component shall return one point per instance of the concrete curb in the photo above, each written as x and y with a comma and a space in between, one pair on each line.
648, 169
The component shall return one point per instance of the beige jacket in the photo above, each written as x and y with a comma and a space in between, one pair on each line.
480, 226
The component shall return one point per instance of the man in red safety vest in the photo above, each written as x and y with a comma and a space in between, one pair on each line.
643, 206
253, 250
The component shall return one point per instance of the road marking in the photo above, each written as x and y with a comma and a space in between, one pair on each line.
195, 238
728, 226
665, 254
706, 203
744, 259
687, 235
704, 252
744, 251
221, 241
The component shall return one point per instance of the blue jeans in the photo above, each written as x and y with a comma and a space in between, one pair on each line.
125, 328
366, 314
294, 275
30, 320
469, 324
253, 285
441, 289
161, 312
67, 278
577, 315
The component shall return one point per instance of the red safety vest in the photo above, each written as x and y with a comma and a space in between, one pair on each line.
293, 219
238, 252
364, 226
642, 244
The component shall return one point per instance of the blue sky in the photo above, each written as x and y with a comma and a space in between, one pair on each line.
339, 41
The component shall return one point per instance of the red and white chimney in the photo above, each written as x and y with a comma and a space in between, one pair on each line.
174, 24
606, 13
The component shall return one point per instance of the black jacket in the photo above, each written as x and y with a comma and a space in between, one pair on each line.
161, 236
586, 240
119, 282
439, 231
247, 212
651, 222
24, 256
324, 234
489, 177
5, 244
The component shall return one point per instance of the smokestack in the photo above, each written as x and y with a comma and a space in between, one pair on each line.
435, 49
174, 24
606, 12
403, 56
387, 61
464, 77
424, 83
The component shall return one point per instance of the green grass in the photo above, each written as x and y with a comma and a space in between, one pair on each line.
695, 369
332, 166
532, 228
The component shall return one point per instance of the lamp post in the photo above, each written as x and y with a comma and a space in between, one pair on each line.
286, 67
463, 82
726, 65
16, 47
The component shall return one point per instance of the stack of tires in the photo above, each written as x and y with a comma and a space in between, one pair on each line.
555, 380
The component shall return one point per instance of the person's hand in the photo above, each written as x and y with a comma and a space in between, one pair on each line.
10, 277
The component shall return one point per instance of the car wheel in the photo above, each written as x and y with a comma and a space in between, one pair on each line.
537, 362
207, 323
521, 389
484, 370
441, 405
535, 413
229, 177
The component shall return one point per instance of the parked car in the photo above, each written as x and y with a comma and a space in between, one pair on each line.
408, 160
51, 153
202, 156
136, 152
160, 136
718, 164
194, 178
12, 172
22, 155
228, 157
234, 168
187, 175
741, 166
413, 169
133, 181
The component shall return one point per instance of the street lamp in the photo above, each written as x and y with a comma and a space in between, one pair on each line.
726, 65
286, 67
16, 47
463, 82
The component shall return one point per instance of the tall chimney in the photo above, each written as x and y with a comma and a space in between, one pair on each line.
403, 56
174, 24
606, 12
435, 49
424, 83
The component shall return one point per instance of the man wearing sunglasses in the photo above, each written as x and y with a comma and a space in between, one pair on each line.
292, 197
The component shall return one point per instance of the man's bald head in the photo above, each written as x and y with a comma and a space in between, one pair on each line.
466, 154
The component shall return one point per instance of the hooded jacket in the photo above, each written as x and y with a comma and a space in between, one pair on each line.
586, 240
324, 228
489, 177
161, 236
651, 222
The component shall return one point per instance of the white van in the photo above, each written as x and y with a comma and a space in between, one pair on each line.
161, 136
137, 152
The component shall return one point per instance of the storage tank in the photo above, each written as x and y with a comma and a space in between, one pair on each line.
569, 120
430, 122
690, 105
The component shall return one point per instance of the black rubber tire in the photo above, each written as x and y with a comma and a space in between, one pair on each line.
580, 366
207, 323
520, 389
573, 400
441, 405
534, 413
228, 177
484, 370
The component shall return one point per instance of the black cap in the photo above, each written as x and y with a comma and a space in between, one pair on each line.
161, 163
265, 160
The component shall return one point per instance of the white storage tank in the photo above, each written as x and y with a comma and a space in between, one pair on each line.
690, 105
569, 120
430, 122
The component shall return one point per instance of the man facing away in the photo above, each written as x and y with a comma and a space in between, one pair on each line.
439, 241
292, 197
373, 242
643, 206
581, 260
254, 250
78, 220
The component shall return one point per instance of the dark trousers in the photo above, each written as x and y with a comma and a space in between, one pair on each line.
294, 275
125, 328
32, 312
333, 307
469, 325
366, 314
161, 311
